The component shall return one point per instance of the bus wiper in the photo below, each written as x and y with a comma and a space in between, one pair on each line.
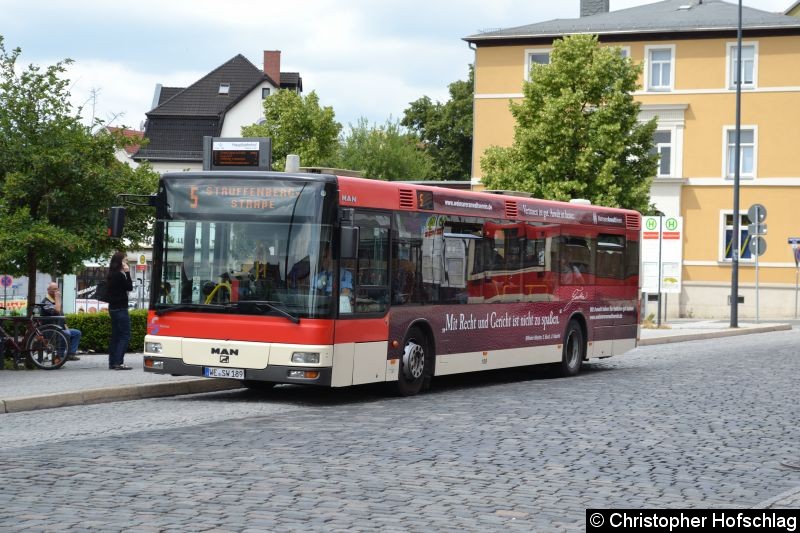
265, 305
160, 311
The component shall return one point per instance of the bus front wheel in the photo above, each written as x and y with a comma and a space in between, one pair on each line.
574, 350
414, 363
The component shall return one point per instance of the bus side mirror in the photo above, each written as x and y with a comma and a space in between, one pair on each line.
116, 222
348, 244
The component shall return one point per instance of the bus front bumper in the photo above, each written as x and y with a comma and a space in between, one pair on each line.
321, 376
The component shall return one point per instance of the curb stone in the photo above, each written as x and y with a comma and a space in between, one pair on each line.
713, 334
116, 394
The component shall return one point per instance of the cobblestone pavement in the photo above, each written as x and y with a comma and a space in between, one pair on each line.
697, 424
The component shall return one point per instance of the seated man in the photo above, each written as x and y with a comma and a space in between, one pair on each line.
51, 306
323, 280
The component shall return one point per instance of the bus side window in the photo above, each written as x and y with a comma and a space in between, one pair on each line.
610, 259
403, 274
576, 262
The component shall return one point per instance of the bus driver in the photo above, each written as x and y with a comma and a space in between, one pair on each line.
323, 280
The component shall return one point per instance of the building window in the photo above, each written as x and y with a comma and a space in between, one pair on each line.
749, 65
539, 56
744, 237
660, 68
747, 152
662, 145
264, 92
224, 88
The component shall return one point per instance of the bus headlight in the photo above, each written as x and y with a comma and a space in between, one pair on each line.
306, 358
152, 347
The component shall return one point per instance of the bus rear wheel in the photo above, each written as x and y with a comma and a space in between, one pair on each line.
574, 350
414, 363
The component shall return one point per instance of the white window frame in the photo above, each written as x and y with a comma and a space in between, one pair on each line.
224, 89
531, 51
648, 50
672, 151
742, 175
668, 117
729, 68
723, 227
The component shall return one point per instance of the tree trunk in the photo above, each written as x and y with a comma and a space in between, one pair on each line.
31, 260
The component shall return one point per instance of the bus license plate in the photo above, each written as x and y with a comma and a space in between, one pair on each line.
230, 373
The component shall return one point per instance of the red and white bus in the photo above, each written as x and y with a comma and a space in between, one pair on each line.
426, 281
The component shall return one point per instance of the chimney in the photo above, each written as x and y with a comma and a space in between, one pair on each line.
593, 7
272, 65
156, 96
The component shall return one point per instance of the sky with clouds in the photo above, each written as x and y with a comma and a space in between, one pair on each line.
365, 58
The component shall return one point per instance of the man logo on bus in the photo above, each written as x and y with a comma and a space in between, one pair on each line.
193, 197
224, 351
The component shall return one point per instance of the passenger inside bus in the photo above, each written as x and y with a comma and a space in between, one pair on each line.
570, 274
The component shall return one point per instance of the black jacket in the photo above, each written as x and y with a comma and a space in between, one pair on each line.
119, 284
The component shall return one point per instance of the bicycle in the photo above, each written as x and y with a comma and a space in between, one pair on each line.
31, 338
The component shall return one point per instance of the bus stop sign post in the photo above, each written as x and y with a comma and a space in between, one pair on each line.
794, 242
757, 215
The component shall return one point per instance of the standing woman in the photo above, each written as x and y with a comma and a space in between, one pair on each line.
119, 284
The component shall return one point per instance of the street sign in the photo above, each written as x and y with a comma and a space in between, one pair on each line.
758, 245
6, 281
142, 260
759, 228
757, 213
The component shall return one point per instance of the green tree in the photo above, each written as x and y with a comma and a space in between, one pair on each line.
298, 125
57, 179
446, 129
577, 134
384, 152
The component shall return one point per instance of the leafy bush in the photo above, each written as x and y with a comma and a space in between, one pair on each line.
96, 330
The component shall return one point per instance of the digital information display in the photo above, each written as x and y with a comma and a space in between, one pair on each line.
237, 153
226, 154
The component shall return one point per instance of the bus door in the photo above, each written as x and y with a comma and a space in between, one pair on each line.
615, 301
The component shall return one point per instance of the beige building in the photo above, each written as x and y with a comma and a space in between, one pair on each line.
688, 51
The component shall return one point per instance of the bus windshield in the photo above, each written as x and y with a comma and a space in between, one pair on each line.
246, 247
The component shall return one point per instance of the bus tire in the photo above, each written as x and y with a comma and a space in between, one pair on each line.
574, 350
414, 363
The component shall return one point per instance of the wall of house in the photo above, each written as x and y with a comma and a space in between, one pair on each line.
697, 111
163, 167
700, 81
249, 110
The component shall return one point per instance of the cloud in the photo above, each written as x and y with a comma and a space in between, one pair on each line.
364, 57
